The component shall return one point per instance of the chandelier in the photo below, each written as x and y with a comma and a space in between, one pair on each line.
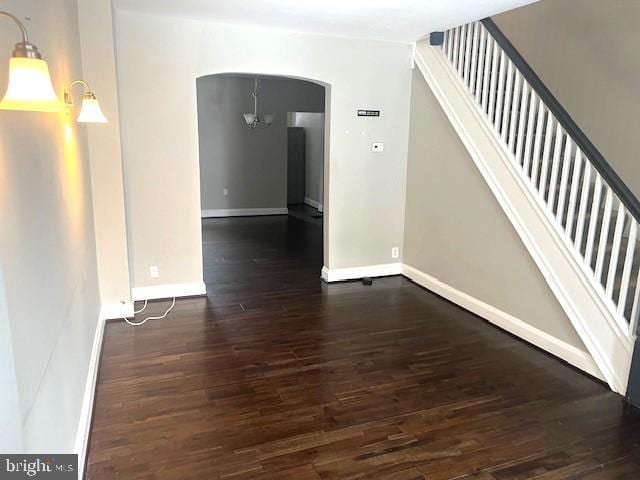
254, 120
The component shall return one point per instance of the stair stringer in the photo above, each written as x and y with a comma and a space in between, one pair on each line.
589, 314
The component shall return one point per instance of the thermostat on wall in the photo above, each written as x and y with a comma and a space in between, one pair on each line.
368, 113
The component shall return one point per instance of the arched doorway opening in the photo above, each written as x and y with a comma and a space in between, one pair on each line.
263, 177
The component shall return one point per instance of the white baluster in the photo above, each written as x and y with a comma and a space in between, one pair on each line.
582, 209
628, 264
456, 46
491, 44
573, 194
566, 166
481, 61
513, 130
526, 89
467, 53
507, 102
530, 133
604, 234
445, 44
555, 167
633, 321
593, 221
474, 58
495, 60
615, 250
546, 153
461, 51
537, 142
499, 102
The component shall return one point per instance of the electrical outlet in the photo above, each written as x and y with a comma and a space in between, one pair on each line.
395, 252
154, 272
225, 191
377, 147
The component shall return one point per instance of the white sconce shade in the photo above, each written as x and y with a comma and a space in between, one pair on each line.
91, 112
268, 118
250, 118
30, 87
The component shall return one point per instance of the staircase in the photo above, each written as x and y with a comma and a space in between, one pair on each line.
576, 217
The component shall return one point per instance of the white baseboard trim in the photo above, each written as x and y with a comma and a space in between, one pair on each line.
313, 203
353, 273
109, 311
243, 212
86, 411
511, 324
169, 291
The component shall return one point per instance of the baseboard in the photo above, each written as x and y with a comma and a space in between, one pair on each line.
169, 291
243, 212
511, 324
86, 411
109, 311
353, 273
313, 203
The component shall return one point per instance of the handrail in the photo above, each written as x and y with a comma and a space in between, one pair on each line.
626, 196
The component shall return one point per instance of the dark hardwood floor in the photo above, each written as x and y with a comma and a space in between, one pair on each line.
276, 375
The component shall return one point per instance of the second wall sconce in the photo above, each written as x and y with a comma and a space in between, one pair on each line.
90, 112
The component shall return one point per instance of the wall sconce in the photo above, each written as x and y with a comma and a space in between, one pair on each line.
30, 86
90, 111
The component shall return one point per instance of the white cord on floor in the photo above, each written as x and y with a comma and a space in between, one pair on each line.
142, 322
143, 307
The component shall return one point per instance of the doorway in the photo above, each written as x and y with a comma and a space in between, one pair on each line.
254, 131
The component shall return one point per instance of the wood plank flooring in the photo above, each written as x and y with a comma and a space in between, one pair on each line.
276, 375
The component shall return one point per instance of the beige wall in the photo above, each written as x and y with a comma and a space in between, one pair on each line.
47, 240
586, 52
159, 59
456, 231
99, 67
10, 416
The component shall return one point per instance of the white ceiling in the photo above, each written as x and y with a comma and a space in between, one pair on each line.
395, 20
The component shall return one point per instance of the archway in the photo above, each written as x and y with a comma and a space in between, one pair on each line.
241, 174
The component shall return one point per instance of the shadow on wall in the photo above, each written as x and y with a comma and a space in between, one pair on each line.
243, 168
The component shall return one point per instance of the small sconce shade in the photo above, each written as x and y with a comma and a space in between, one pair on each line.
90, 111
268, 118
30, 87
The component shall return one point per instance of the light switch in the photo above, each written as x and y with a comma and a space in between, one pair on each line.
377, 147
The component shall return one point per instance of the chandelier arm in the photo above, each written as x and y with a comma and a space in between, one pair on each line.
255, 97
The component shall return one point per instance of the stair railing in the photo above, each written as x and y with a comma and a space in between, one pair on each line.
592, 208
